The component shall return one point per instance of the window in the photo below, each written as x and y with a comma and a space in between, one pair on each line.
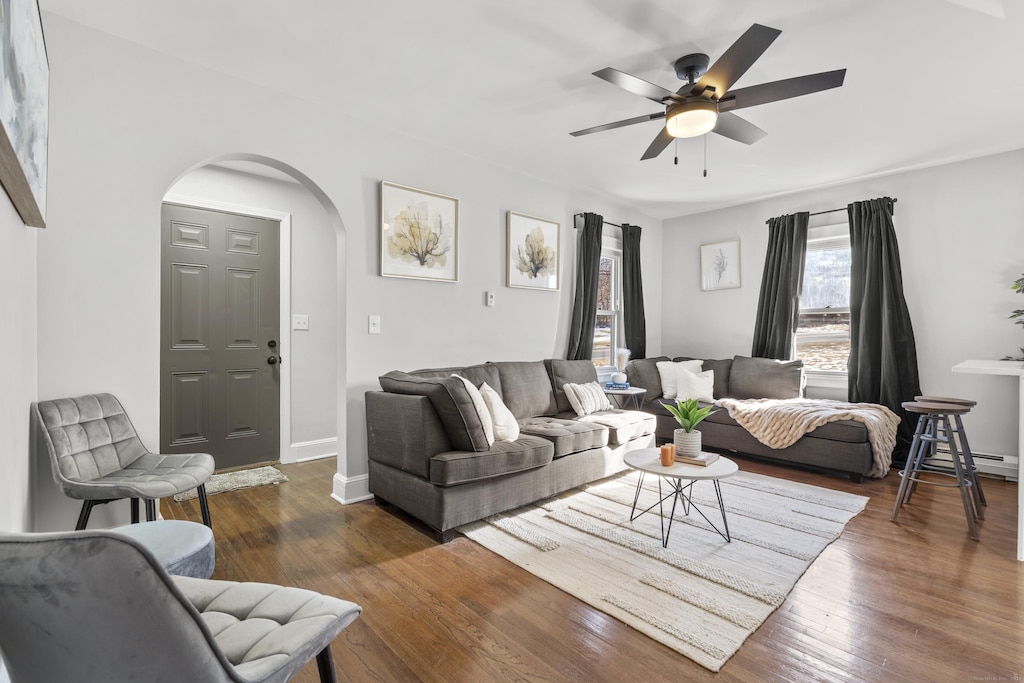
608, 324
823, 331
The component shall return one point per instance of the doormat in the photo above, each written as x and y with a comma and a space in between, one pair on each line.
233, 481
699, 596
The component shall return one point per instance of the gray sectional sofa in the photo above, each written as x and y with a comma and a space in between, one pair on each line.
429, 456
841, 445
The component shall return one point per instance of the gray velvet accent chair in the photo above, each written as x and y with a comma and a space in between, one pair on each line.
97, 457
97, 607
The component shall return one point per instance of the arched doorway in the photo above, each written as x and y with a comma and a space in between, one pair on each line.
310, 337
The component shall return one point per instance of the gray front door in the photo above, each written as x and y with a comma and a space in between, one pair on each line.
219, 336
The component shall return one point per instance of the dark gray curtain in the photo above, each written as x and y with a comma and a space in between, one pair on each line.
883, 355
635, 322
584, 307
778, 307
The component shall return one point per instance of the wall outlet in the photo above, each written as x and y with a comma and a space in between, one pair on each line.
373, 326
490, 298
300, 322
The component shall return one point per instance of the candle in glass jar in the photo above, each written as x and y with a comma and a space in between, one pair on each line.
668, 457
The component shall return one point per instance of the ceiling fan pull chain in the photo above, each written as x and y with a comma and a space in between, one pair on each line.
705, 155
676, 160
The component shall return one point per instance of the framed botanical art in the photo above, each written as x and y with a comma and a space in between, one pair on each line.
419, 234
720, 265
24, 109
534, 252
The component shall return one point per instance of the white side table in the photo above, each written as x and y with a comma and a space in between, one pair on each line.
680, 479
623, 398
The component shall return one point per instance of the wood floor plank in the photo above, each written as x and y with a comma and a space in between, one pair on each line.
913, 601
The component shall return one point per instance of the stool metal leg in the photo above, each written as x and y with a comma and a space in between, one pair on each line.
963, 482
924, 451
972, 470
907, 473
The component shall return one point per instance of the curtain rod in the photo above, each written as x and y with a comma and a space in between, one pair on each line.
580, 215
819, 213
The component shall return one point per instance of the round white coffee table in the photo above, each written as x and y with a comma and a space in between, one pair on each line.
680, 478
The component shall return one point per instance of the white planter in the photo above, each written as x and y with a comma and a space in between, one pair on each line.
687, 443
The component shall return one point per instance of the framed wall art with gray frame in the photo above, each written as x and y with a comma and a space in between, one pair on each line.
534, 252
419, 234
24, 109
720, 265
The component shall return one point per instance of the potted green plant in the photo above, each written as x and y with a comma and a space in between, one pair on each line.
1018, 286
688, 413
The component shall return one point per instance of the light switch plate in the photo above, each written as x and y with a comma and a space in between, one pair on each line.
490, 298
300, 322
374, 324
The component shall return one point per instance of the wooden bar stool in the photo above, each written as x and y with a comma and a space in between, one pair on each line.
933, 426
965, 447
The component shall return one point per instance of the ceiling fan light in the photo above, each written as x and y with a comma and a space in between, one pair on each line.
690, 119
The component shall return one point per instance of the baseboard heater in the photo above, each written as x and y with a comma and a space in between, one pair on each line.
987, 463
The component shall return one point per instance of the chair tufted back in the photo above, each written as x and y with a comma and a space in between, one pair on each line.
88, 437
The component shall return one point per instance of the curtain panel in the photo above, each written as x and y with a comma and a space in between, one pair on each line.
778, 307
588, 270
883, 353
634, 320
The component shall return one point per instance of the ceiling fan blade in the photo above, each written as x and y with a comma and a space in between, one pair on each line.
637, 86
659, 145
781, 90
619, 124
736, 60
738, 129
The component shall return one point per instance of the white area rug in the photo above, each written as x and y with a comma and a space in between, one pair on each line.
239, 479
700, 596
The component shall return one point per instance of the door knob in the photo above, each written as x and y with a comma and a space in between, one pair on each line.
273, 360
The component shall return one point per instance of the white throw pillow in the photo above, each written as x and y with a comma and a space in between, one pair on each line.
481, 409
698, 385
506, 427
667, 370
586, 398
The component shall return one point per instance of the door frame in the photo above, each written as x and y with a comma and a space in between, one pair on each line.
285, 236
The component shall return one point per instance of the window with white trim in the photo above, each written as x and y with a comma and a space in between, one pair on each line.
608, 331
823, 331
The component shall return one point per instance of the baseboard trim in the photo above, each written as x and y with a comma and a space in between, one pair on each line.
313, 450
351, 489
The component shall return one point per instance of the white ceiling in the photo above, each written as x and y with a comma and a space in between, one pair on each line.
928, 81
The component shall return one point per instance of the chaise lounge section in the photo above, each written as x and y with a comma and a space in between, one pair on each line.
842, 445
429, 454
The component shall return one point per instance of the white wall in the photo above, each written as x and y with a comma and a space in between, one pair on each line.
961, 245
18, 316
311, 355
126, 122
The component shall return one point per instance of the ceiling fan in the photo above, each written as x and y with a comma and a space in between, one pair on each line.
705, 103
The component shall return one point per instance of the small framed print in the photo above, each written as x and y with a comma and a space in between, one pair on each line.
419, 234
720, 265
534, 252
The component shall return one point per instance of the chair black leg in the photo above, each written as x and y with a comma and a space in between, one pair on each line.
135, 510
150, 510
204, 507
83, 516
325, 665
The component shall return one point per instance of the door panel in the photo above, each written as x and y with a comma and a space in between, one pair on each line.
219, 315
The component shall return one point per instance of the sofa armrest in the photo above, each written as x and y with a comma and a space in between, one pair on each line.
404, 431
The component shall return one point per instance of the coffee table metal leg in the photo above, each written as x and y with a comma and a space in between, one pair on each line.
721, 506
636, 497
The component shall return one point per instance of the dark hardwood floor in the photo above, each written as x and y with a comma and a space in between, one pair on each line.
918, 601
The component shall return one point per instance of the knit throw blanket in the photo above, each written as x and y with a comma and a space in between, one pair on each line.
778, 423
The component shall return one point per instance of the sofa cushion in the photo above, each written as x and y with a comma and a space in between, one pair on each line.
526, 388
585, 399
477, 374
765, 378
564, 372
452, 402
482, 412
623, 425
504, 457
567, 435
643, 373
